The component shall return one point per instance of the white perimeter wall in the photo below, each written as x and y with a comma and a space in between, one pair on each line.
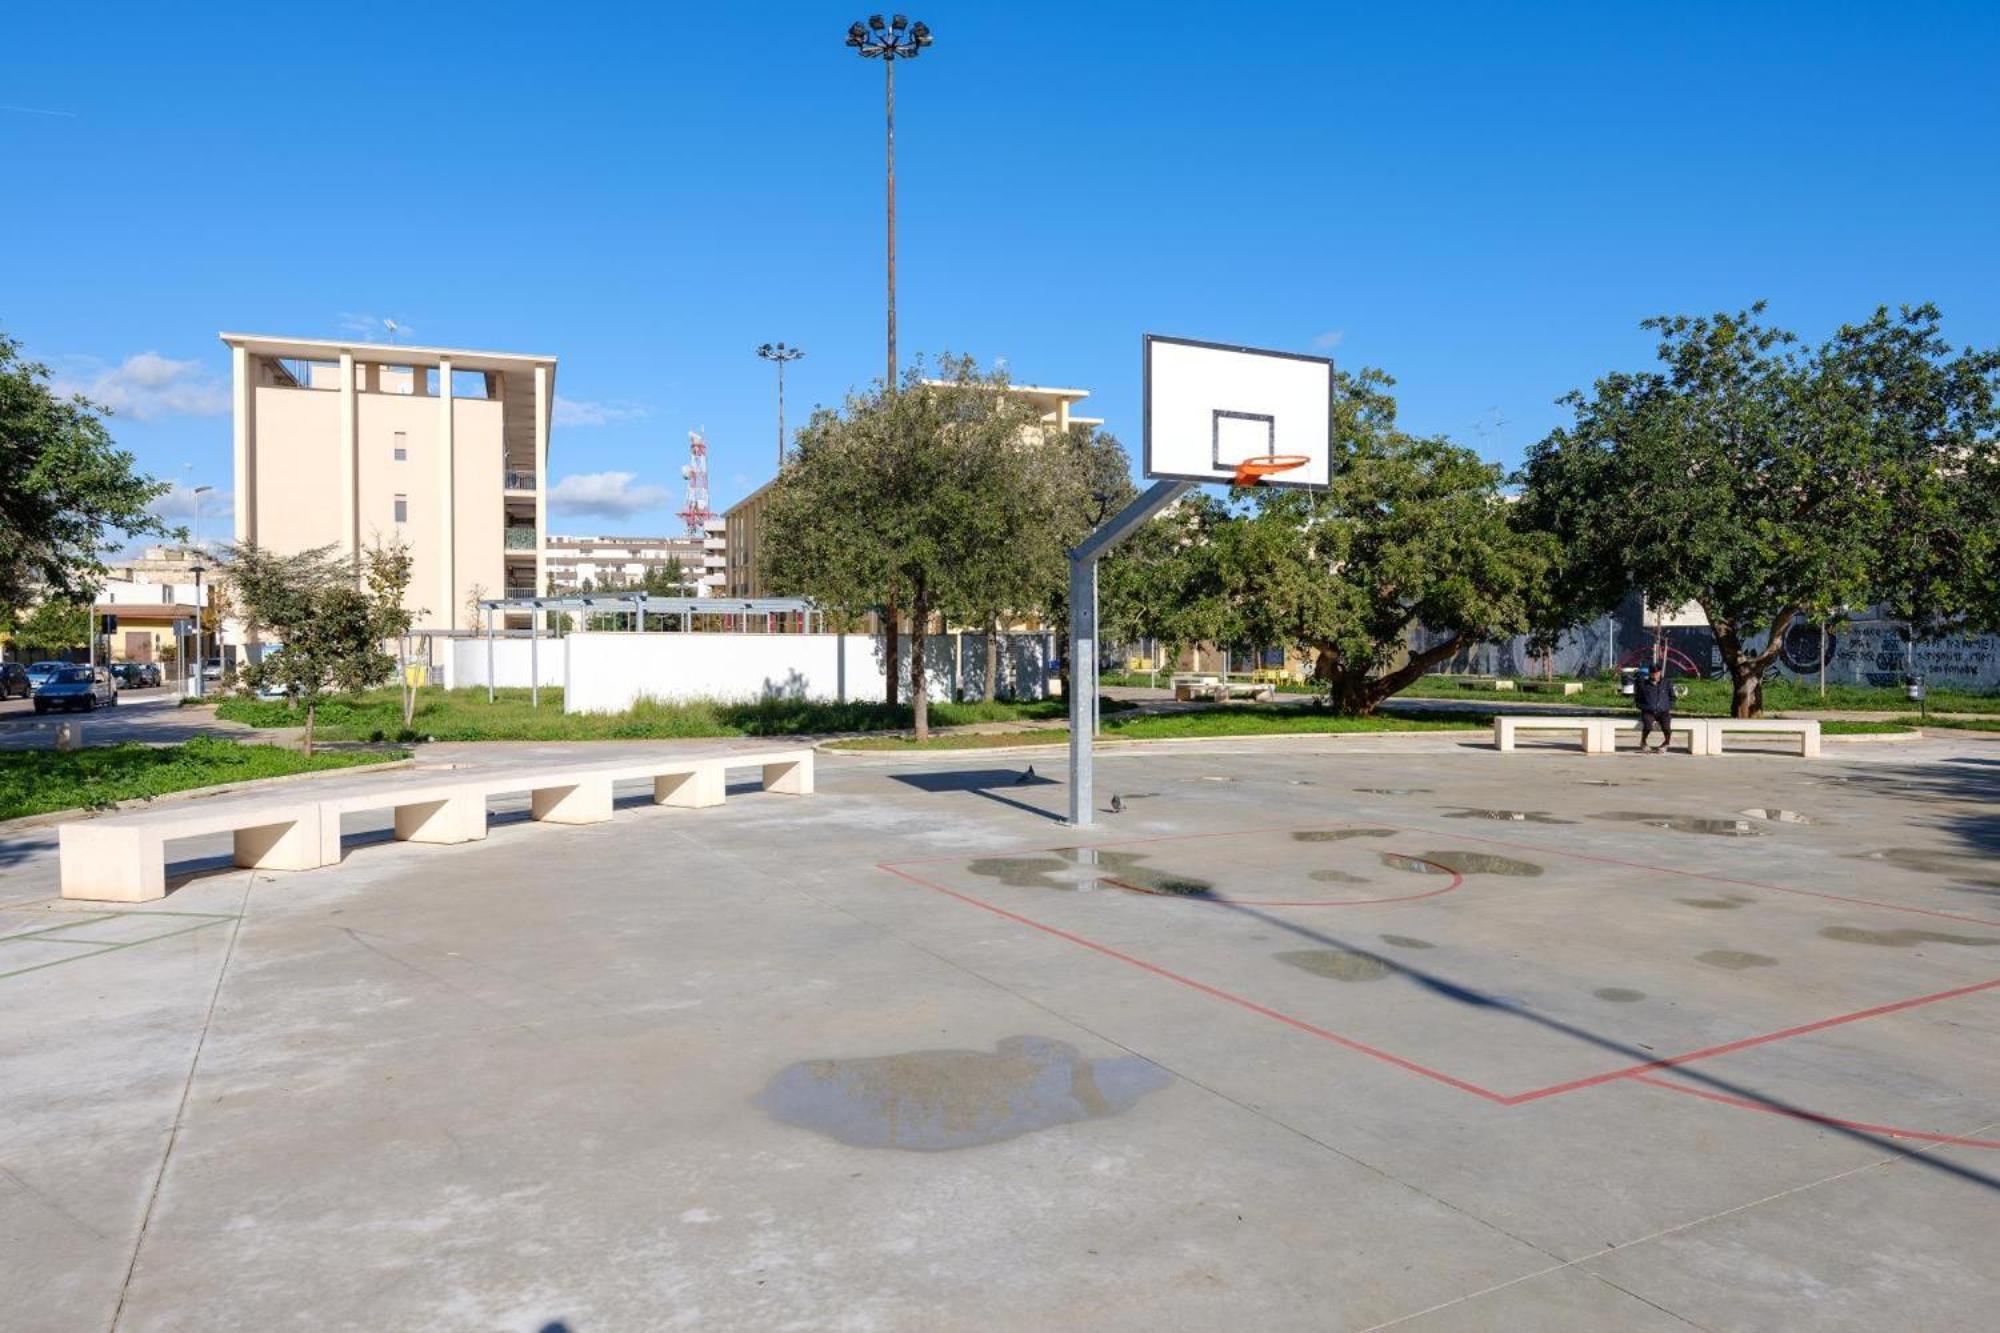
609, 672
512, 658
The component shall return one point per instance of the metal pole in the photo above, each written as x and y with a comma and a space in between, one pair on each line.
781, 415
200, 680
535, 662
1822, 659
889, 69
489, 655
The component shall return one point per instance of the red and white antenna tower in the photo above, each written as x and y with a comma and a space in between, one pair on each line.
694, 509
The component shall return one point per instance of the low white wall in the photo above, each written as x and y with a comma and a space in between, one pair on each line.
512, 659
608, 672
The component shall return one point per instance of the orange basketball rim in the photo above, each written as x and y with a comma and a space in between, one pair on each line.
1251, 471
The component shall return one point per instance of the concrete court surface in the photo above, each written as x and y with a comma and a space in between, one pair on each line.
1318, 1034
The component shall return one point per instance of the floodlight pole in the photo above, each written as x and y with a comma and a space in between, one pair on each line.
1083, 635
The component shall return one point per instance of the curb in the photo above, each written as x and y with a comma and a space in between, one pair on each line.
1138, 742
48, 817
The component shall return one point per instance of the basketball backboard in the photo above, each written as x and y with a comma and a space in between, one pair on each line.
1235, 415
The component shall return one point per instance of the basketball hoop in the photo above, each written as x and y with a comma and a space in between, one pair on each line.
1252, 471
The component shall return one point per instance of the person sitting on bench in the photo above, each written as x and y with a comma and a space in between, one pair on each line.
1654, 694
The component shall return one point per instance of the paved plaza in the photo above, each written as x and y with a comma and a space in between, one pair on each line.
1317, 1034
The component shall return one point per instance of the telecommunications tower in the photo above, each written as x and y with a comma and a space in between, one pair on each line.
695, 512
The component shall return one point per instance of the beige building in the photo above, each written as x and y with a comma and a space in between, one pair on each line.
743, 521
624, 562
342, 444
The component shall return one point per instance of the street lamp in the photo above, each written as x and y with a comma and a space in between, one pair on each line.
780, 353
198, 492
897, 39
199, 686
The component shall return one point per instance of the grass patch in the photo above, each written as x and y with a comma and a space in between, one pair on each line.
33, 782
465, 715
1185, 726
1710, 698
1951, 723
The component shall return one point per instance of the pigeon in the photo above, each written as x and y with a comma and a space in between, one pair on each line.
1117, 805
1026, 777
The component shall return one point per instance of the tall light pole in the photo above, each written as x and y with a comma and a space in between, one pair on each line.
897, 39
197, 492
780, 353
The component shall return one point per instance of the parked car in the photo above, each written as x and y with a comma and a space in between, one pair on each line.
77, 687
14, 682
212, 669
137, 675
41, 673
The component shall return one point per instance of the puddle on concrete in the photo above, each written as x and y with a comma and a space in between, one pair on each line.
1727, 903
1065, 868
1395, 791
934, 1101
1734, 959
1619, 994
1337, 964
1340, 834
1960, 865
1720, 828
1902, 939
1511, 816
1164, 882
1335, 877
1974, 888
1771, 816
1464, 863
1407, 942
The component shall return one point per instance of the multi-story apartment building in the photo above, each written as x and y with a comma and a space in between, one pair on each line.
744, 520
341, 444
625, 562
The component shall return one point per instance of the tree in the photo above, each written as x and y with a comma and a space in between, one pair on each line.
910, 498
386, 572
330, 625
63, 488
1766, 485
53, 628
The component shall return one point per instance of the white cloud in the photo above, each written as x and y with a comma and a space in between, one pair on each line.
605, 494
1329, 340
580, 412
374, 326
147, 386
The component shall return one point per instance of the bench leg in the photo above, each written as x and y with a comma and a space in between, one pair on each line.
111, 865
794, 778
1503, 736
291, 845
1599, 738
695, 789
1808, 745
454, 819
587, 802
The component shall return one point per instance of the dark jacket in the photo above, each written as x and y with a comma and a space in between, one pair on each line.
1655, 695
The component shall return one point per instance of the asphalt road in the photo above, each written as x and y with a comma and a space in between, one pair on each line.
150, 716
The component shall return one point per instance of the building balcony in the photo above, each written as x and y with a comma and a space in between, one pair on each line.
519, 539
520, 480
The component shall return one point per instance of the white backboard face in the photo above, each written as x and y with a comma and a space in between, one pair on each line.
1209, 407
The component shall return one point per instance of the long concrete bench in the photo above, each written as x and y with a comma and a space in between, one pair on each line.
122, 858
1806, 729
1507, 726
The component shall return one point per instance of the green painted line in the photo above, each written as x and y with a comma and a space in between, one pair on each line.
129, 944
95, 918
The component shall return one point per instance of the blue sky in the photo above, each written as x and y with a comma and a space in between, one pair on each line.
1482, 199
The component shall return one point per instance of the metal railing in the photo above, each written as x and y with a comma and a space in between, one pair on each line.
520, 481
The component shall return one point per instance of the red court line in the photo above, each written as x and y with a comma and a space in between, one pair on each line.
1726, 1048
1214, 992
1814, 1117
1635, 1072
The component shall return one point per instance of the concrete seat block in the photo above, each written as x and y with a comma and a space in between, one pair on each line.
792, 776
292, 844
106, 863
582, 801
448, 819
693, 788
1596, 739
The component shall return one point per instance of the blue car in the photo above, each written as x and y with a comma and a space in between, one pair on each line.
41, 673
76, 687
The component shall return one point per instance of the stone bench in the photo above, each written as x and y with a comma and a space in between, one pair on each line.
1700, 740
1596, 738
1806, 729
122, 858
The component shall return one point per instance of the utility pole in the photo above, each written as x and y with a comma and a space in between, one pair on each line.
781, 354
896, 39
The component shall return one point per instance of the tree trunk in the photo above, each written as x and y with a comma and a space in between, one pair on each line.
891, 649
992, 658
311, 707
1746, 669
1357, 694
920, 701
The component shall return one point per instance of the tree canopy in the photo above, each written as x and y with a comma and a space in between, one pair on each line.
64, 488
946, 495
1766, 484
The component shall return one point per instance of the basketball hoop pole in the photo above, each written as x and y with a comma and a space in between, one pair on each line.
1083, 635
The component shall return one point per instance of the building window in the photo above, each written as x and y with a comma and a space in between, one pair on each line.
402, 509
402, 446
